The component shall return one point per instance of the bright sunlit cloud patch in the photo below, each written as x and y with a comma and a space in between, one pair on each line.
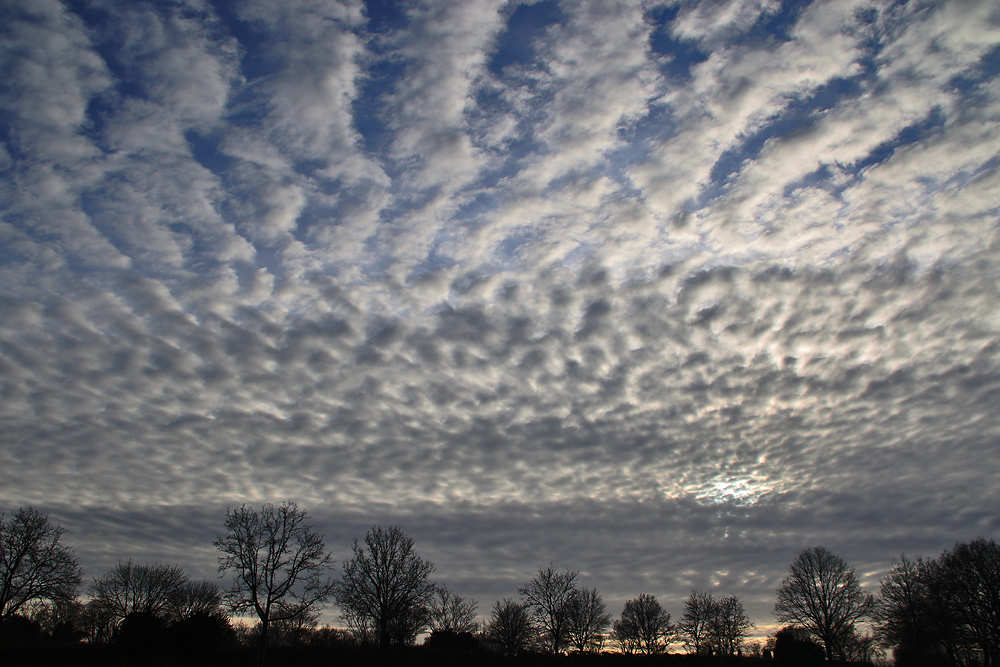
740, 492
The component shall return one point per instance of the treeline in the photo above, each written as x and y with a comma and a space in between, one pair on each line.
942, 611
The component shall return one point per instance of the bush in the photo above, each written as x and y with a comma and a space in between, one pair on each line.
793, 646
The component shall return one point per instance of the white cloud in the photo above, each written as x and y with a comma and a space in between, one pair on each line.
712, 20
735, 92
206, 300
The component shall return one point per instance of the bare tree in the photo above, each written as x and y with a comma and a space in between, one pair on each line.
904, 611
862, 648
695, 623
714, 625
294, 631
644, 626
943, 611
134, 588
969, 575
729, 626
823, 594
279, 564
197, 598
34, 565
587, 621
626, 635
753, 649
548, 596
61, 620
385, 592
97, 623
510, 627
449, 611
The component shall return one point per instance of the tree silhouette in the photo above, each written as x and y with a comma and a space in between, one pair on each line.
587, 620
695, 623
142, 634
449, 611
510, 627
971, 574
34, 565
385, 592
794, 646
822, 594
137, 588
199, 634
61, 620
944, 611
196, 598
644, 626
279, 564
729, 625
548, 596
905, 612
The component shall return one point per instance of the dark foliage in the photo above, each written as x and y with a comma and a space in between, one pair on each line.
142, 634
794, 646
19, 629
944, 611
452, 641
200, 634
347, 655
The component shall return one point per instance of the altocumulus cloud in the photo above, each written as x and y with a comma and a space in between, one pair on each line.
663, 292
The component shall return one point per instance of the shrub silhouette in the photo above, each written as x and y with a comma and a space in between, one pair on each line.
141, 633
452, 641
17, 629
792, 646
200, 634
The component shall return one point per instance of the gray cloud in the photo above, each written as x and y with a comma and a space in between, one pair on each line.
530, 330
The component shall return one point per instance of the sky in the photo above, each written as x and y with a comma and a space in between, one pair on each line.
662, 292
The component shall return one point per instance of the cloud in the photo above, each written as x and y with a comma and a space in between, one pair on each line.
547, 303
715, 20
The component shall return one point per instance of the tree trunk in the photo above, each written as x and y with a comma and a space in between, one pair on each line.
262, 641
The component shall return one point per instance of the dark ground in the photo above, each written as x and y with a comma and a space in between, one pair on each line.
85, 655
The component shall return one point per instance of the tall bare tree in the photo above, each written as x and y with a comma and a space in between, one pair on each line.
450, 611
385, 591
729, 626
822, 594
548, 595
34, 565
279, 564
695, 623
587, 621
644, 626
904, 610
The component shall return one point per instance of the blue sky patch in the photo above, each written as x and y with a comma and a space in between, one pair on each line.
526, 24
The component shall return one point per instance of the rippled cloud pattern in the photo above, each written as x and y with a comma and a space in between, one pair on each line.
665, 292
